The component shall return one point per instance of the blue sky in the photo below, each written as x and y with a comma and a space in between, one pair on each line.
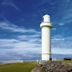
20, 34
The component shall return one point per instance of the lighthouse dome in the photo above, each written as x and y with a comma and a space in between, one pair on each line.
46, 21
46, 18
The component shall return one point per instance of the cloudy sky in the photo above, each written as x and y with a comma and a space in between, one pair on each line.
20, 34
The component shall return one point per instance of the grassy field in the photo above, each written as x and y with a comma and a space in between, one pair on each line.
18, 67
23, 67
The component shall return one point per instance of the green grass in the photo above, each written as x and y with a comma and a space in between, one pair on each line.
23, 67
18, 67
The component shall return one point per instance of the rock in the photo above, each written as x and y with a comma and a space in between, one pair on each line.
53, 66
39, 68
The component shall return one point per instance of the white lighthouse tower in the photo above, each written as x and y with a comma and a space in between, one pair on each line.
46, 38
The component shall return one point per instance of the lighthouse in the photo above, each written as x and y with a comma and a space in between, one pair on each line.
46, 38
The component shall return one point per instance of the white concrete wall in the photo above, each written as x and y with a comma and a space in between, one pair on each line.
46, 38
46, 47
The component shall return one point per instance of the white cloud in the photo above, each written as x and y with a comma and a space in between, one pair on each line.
14, 28
53, 28
12, 61
61, 24
7, 43
67, 16
10, 4
12, 49
29, 37
25, 45
22, 42
62, 45
62, 51
18, 45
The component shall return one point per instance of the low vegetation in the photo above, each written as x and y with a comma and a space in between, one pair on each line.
50, 66
18, 67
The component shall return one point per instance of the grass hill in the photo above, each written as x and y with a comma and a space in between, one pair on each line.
50, 66
18, 67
